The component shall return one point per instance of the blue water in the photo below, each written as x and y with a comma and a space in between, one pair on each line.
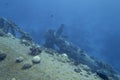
93, 25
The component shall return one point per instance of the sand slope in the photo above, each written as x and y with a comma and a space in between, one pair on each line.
50, 67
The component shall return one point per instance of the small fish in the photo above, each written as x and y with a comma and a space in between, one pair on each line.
51, 15
6, 4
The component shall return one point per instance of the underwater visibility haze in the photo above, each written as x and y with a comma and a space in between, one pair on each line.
92, 25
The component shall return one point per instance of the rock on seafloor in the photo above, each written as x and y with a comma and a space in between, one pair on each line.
27, 65
19, 59
2, 56
13, 79
36, 59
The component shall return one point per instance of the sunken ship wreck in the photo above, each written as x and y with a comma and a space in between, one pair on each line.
22, 59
